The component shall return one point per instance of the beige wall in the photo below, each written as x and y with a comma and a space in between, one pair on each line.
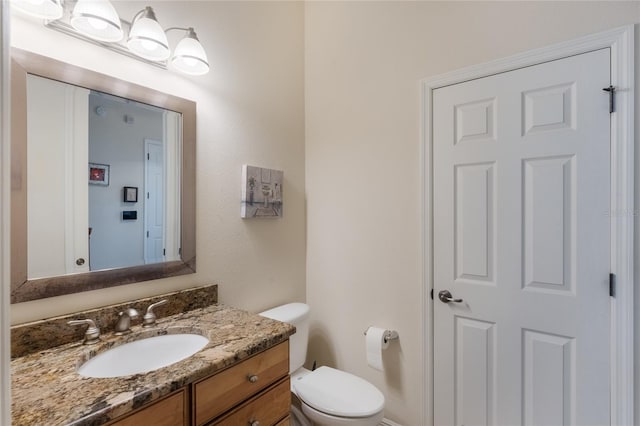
250, 110
363, 63
353, 104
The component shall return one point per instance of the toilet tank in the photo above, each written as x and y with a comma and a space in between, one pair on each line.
296, 314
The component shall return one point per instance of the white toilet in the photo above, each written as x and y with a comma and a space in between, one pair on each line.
327, 396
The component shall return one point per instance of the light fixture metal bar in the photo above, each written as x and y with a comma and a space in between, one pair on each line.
63, 25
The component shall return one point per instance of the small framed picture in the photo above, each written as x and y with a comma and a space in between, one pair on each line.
98, 174
130, 194
261, 192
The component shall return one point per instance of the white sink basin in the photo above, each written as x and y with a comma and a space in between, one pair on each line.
142, 356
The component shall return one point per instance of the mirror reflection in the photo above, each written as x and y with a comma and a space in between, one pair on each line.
103, 181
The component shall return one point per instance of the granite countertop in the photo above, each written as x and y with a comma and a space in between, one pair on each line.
47, 390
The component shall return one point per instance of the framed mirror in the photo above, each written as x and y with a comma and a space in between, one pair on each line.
102, 180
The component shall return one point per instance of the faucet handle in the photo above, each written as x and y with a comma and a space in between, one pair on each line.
92, 335
149, 318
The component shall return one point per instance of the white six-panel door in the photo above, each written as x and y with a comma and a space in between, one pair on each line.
521, 191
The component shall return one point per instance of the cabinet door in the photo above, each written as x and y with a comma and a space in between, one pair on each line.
169, 411
267, 409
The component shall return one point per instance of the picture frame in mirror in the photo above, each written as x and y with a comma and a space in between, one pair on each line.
130, 194
99, 174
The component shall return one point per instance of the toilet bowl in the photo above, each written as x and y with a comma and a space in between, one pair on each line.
326, 396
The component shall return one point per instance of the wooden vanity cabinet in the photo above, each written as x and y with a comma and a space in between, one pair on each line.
285, 422
267, 408
169, 411
251, 380
256, 389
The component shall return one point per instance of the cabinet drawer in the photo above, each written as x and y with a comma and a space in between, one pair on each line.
166, 412
217, 394
267, 409
285, 422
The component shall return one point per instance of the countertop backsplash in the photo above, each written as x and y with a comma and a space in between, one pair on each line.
48, 333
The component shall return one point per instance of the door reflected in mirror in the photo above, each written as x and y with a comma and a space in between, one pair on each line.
84, 148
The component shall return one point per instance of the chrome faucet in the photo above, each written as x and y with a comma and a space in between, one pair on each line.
149, 318
92, 335
124, 321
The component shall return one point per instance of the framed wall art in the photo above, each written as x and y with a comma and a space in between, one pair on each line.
99, 174
130, 194
261, 192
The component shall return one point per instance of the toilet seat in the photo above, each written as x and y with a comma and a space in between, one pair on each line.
338, 393
319, 418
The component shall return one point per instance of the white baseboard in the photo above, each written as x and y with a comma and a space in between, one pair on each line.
387, 422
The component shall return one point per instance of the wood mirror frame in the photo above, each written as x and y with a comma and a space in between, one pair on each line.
23, 289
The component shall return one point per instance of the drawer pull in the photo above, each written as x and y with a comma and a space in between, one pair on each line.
252, 378
254, 423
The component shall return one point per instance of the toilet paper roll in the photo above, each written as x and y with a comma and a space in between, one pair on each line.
375, 346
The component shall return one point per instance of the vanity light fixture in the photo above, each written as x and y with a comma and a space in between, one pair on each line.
43, 9
97, 19
97, 22
147, 38
189, 56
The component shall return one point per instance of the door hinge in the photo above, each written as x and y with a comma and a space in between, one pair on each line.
431, 294
612, 100
612, 285
149, 158
147, 234
164, 252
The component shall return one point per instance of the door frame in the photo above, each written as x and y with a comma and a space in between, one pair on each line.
621, 42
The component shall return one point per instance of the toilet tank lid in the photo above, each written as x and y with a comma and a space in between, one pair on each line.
339, 393
290, 312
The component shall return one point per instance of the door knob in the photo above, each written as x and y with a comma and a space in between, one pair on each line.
446, 297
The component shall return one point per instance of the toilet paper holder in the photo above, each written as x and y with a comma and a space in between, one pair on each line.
388, 335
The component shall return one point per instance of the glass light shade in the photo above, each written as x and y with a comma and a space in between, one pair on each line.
190, 57
97, 19
148, 40
44, 9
